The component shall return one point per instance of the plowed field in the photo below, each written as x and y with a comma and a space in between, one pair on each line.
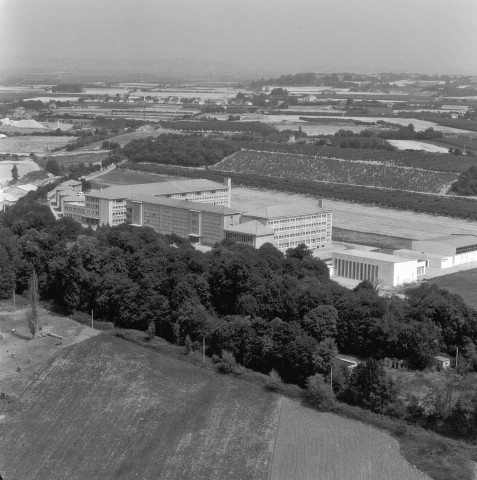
108, 409
314, 445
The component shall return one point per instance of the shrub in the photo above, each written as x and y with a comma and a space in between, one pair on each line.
228, 364
273, 381
151, 331
318, 393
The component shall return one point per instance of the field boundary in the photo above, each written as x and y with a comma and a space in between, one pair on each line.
269, 474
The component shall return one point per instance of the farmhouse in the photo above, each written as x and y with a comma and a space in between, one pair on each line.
294, 224
376, 267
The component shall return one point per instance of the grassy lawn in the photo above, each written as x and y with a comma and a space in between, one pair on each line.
464, 283
128, 177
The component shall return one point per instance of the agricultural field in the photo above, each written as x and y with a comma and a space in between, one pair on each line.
336, 170
313, 444
417, 145
74, 158
125, 138
121, 176
416, 159
114, 410
26, 144
464, 283
362, 218
344, 141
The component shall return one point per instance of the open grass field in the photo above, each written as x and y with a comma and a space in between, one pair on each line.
37, 350
362, 218
464, 283
416, 145
316, 445
27, 144
128, 177
109, 409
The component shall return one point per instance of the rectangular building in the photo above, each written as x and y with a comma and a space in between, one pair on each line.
376, 267
295, 224
108, 206
454, 249
252, 233
199, 222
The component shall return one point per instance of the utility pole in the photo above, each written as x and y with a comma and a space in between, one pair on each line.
92, 320
203, 349
456, 357
14, 300
331, 377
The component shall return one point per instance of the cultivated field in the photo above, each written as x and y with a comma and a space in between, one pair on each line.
75, 158
336, 170
415, 145
363, 218
128, 137
464, 283
316, 445
128, 177
32, 144
109, 409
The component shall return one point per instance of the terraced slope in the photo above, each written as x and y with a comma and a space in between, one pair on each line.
336, 170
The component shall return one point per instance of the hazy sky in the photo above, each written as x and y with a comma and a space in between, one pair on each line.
295, 35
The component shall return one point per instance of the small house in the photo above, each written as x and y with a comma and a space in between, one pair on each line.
442, 363
395, 363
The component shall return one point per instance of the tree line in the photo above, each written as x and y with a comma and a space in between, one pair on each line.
263, 309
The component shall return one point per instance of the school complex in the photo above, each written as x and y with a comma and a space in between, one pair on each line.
201, 211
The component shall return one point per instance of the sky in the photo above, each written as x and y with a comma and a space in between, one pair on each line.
428, 36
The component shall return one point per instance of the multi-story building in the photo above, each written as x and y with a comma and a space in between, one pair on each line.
295, 224
109, 206
199, 222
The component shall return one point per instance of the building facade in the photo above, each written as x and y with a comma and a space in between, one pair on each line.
110, 206
252, 233
376, 267
199, 222
295, 224
453, 250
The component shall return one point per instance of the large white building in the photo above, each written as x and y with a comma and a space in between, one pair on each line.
109, 206
294, 224
448, 251
389, 270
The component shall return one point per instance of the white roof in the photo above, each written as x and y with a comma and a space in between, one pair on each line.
383, 257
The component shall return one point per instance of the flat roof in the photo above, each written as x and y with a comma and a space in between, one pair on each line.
384, 257
176, 203
254, 227
403, 252
289, 210
159, 188
455, 240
